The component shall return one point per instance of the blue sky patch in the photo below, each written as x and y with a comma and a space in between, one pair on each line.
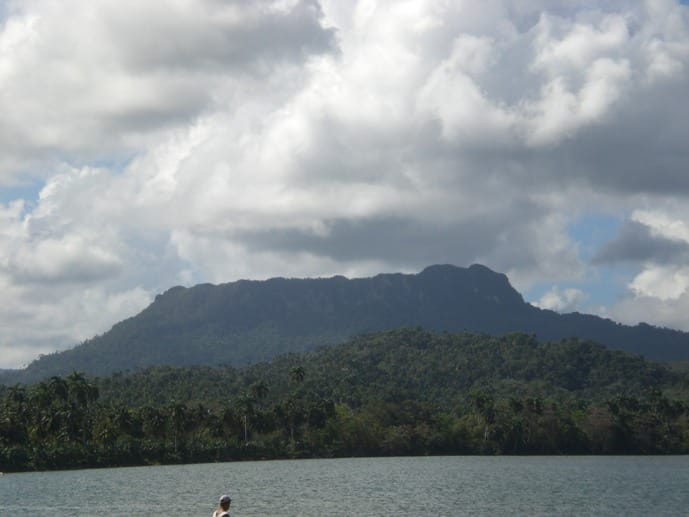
602, 285
592, 231
28, 192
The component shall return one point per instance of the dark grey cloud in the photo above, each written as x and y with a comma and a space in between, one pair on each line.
636, 243
173, 107
408, 242
394, 240
81, 274
641, 149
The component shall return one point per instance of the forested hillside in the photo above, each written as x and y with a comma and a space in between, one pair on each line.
440, 369
397, 392
251, 321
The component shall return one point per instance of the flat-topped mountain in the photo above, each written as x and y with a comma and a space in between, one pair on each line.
249, 321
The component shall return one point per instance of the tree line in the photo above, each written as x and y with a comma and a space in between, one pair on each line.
404, 392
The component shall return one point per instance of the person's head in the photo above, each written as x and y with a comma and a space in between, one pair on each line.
225, 502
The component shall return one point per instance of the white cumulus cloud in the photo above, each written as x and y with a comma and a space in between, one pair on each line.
188, 141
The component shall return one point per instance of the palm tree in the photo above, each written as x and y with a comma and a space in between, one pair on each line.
294, 413
246, 405
13, 423
58, 388
16, 394
177, 419
259, 390
82, 394
81, 391
485, 407
154, 423
39, 396
297, 374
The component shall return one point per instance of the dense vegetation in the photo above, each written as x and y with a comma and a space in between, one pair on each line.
250, 321
393, 393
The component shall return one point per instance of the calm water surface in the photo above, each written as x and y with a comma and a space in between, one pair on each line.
434, 486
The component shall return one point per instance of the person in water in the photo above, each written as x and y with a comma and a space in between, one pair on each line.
224, 508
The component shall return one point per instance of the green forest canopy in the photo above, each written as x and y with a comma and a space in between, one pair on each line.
405, 391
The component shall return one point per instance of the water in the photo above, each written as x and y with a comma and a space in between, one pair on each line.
435, 486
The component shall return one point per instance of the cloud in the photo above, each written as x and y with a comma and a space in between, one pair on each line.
659, 239
43, 320
179, 142
69, 259
637, 242
664, 283
566, 300
666, 306
84, 81
215, 36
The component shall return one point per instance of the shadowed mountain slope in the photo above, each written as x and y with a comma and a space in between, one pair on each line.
248, 321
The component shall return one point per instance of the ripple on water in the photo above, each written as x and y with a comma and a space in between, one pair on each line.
433, 486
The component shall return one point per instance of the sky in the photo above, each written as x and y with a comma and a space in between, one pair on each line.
145, 145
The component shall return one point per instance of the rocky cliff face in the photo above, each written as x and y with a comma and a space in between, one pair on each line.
249, 321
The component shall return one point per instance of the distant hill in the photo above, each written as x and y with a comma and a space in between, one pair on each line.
249, 321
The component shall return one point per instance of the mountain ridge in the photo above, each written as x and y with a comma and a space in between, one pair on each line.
248, 321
